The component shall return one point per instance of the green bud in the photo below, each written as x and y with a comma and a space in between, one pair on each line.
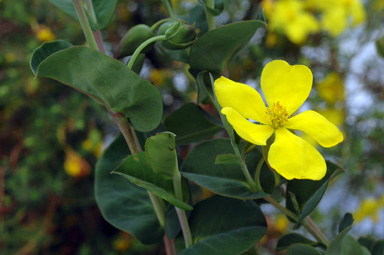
180, 34
133, 38
380, 46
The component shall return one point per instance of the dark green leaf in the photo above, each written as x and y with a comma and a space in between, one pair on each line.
203, 86
45, 50
309, 193
197, 17
225, 226
351, 246
335, 247
213, 50
293, 238
190, 123
120, 201
346, 221
134, 37
104, 10
181, 55
137, 170
302, 249
227, 180
219, 6
108, 81
227, 159
378, 248
367, 242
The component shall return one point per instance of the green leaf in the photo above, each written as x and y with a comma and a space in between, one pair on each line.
302, 249
104, 10
108, 81
225, 226
367, 242
137, 170
161, 154
120, 201
227, 180
213, 50
190, 123
45, 50
227, 159
346, 221
219, 7
309, 193
293, 238
335, 247
202, 81
181, 55
351, 246
197, 17
378, 248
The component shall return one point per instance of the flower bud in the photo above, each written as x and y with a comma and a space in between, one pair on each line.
133, 38
180, 34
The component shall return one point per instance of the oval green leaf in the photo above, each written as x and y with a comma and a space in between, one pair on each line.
224, 179
214, 49
109, 82
137, 170
45, 50
225, 226
293, 238
191, 124
302, 249
120, 201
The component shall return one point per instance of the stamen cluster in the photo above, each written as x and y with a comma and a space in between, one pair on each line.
276, 115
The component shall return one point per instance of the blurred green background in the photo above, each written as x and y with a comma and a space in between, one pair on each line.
51, 136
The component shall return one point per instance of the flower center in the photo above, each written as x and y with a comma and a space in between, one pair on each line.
276, 115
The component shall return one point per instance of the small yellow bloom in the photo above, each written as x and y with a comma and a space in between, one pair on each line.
75, 165
290, 18
285, 89
368, 209
44, 34
331, 88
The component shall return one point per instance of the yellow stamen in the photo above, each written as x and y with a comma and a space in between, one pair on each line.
276, 115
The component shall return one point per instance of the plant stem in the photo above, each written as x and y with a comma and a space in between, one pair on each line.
169, 246
159, 23
168, 6
181, 213
142, 46
84, 23
244, 168
99, 41
209, 15
91, 11
257, 173
134, 147
309, 225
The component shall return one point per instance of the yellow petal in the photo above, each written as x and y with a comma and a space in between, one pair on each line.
294, 158
251, 132
240, 97
289, 85
315, 125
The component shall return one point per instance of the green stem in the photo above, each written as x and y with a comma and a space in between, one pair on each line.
84, 24
91, 11
134, 146
142, 46
209, 15
181, 213
159, 23
168, 6
309, 225
244, 168
257, 173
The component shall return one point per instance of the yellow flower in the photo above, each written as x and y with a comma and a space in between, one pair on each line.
290, 18
331, 88
75, 165
44, 34
285, 88
368, 209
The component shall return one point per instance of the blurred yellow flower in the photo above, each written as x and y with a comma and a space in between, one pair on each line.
75, 165
10, 57
369, 209
331, 88
281, 223
285, 89
290, 18
44, 34
336, 116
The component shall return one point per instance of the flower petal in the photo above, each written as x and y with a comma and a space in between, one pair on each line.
317, 126
294, 158
240, 97
289, 85
254, 133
